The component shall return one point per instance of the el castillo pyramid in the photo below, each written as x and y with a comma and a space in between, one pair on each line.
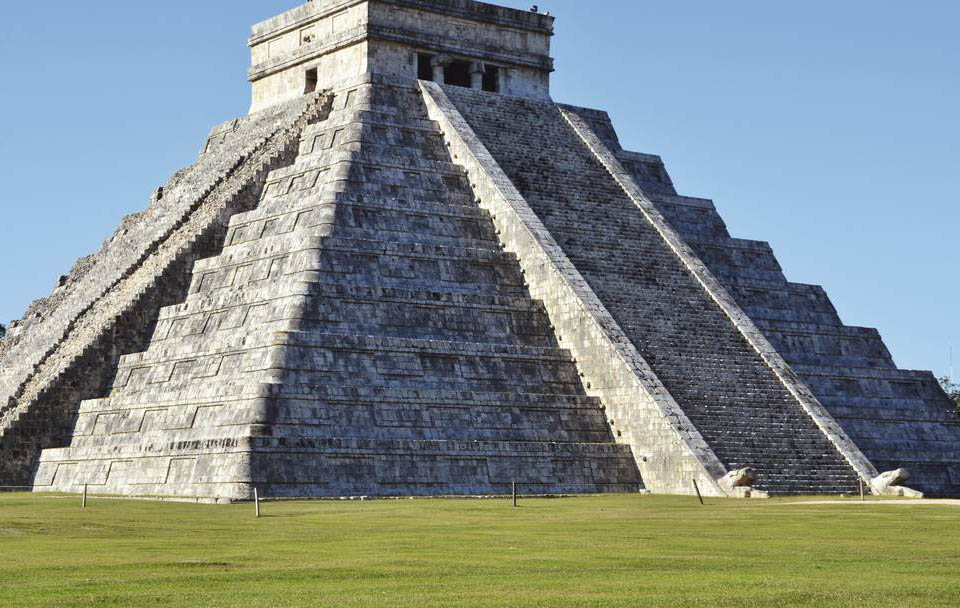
408, 271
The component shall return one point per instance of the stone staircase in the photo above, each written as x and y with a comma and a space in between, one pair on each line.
736, 402
898, 418
362, 332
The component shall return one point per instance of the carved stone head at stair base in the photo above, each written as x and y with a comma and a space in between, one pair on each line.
888, 484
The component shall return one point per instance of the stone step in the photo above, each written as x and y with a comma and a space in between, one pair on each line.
865, 373
290, 179
290, 290
389, 164
291, 233
302, 357
691, 217
794, 357
509, 450
476, 288
464, 210
761, 431
423, 319
304, 395
324, 207
358, 139
732, 276
390, 129
901, 453
381, 116
430, 187
351, 420
457, 203
892, 409
335, 184
787, 315
365, 261
828, 330
318, 467
731, 255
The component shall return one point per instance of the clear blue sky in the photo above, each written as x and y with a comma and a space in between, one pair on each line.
828, 128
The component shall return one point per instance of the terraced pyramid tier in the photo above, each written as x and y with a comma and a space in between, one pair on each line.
897, 417
362, 332
433, 280
738, 404
68, 348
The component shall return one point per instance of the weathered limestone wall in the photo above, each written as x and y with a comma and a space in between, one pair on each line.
342, 39
518, 44
71, 355
328, 37
704, 360
719, 295
897, 418
344, 62
669, 451
360, 333
321, 306
139, 235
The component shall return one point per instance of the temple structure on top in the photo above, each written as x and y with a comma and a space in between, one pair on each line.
322, 44
408, 271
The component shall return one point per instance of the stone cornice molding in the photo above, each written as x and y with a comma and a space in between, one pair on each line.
363, 33
481, 12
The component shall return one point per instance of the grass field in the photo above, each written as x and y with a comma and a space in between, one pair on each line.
590, 551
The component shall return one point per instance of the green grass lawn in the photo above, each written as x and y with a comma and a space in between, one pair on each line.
591, 551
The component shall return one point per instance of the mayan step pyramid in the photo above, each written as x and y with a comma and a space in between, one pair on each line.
409, 272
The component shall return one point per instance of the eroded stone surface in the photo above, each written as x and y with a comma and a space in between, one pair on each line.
702, 357
361, 333
890, 483
403, 288
740, 478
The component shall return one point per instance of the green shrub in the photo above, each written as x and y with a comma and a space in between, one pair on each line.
952, 389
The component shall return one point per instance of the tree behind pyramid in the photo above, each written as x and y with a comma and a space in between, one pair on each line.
409, 272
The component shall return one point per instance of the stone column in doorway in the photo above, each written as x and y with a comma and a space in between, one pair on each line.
439, 63
477, 70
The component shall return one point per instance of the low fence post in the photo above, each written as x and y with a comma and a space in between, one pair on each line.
697, 488
256, 500
84, 504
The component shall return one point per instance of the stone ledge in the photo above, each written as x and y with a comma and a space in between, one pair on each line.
475, 11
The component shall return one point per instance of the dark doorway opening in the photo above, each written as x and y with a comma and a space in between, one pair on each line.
491, 79
457, 73
424, 66
310, 81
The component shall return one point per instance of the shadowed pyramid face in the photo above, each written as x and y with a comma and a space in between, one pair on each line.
321, 45
361, 333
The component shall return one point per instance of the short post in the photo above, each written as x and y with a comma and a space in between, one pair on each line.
256, 501
84, 504
697, 488
514, 494
862, 498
